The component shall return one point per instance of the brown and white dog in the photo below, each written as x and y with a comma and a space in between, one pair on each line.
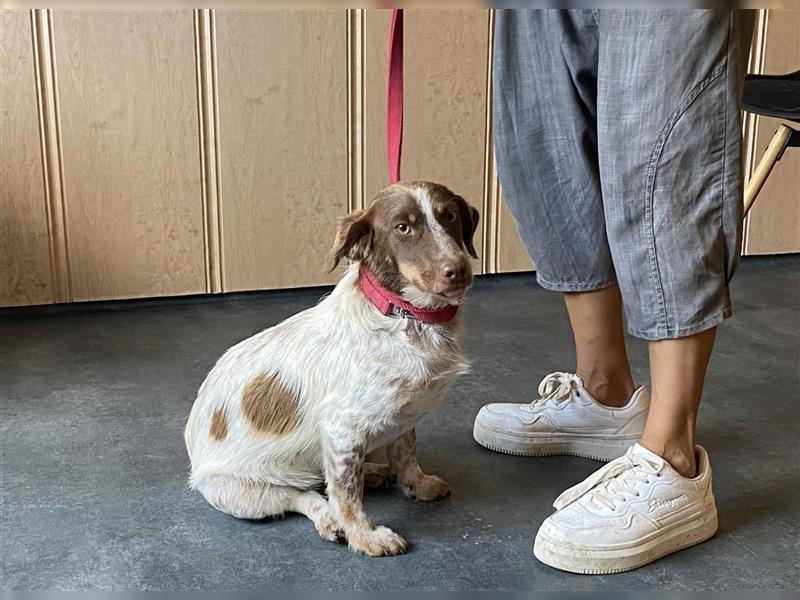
302, 403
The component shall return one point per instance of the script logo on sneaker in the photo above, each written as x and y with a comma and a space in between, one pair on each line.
671, 503
651, 511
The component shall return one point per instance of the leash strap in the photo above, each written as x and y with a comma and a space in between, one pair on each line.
394, 96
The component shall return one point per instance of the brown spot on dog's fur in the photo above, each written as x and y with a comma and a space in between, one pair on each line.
351, 477
400, 382
346, 483
270, 405
219, 425
462, 229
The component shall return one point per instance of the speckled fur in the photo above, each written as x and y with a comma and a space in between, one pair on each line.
362, 380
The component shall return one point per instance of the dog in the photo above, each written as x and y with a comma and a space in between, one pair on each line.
298, 406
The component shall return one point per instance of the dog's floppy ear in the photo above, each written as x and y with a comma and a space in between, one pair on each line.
353, 239
469, 223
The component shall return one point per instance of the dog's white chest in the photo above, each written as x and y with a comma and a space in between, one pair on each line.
418, 379
403, 413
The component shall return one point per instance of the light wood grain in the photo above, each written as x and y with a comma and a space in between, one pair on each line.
205, 52
25, 276
771, 155
356, 82
446, 66
283, 143
755, 64
50, 140
491, 183
503, 249
145, 194
511, 253
129, 124
774, 221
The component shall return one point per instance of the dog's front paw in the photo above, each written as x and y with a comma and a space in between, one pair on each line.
427, 488
380, 541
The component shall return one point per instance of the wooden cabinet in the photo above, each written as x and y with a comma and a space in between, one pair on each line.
25, 276
511, 254
282, 102
446, 86
127, 102
168, 152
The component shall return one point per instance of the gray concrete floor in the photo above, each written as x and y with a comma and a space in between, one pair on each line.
93, 471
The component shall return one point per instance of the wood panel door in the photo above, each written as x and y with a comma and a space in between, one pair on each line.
127, 101
511, 253
446, 82
25, 276
282, 78
166, 152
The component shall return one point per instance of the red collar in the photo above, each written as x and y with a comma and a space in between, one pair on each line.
390, 304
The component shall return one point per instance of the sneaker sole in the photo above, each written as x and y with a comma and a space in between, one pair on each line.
603, 448
603, 562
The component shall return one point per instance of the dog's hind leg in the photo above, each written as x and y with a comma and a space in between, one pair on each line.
250, 500
377, 475
245, 499
402, 455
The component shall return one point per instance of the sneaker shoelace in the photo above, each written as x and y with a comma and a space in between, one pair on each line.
557, 387
613, 483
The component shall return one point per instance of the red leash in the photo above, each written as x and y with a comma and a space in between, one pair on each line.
387, 303
394, 96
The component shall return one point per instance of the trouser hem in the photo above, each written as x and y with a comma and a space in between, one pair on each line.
663, 333
572, 286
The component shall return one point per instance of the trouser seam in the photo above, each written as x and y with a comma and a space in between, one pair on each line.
571, 286
661, 333
724, 157
652, 166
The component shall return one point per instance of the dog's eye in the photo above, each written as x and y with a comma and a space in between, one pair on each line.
403, 228
452, 216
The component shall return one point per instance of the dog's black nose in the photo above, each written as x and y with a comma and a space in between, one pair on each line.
452, 271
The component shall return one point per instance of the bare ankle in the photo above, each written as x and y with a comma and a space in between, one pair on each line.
609, 389
680, 456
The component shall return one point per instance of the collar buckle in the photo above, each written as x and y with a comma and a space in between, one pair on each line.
401, 313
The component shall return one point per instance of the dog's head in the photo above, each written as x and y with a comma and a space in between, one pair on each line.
415, 238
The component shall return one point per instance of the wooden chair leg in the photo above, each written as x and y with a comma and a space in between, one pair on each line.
773, 154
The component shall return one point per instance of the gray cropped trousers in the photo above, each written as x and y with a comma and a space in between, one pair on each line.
618, 142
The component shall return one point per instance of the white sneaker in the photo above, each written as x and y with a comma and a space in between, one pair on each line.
631, 512
565, 420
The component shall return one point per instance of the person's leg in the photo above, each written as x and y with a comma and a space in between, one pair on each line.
546, 142
669, 138
677, 372
545, 129
674, 200
677, 369
600, 354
